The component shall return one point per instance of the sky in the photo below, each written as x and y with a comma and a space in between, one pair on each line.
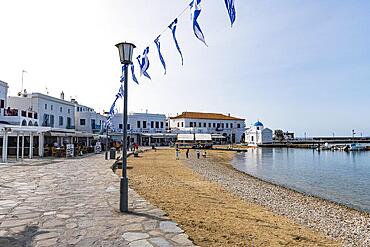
301, 66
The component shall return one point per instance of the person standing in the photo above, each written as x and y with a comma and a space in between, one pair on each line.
187, 153
198, 154
177, 153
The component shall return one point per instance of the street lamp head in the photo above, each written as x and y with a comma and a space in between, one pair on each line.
125, 52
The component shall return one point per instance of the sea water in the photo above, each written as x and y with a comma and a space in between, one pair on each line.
342, 177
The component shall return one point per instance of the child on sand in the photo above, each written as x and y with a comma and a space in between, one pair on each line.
177, 153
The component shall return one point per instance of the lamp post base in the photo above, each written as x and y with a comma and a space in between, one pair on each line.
123, 201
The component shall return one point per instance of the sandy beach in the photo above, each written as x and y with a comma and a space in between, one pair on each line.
215, 213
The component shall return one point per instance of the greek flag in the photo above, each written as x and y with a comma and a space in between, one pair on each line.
173, 29
108, 122
230, 5
123, 73
144, 64
111, 110
194, 5
158, 44
133, 74
120, 93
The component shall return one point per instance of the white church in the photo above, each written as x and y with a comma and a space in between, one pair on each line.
258, 134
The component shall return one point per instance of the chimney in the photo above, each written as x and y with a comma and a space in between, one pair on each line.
62, 95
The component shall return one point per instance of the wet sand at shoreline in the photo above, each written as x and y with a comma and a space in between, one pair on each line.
209, 214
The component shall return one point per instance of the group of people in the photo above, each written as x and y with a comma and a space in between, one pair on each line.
204, 154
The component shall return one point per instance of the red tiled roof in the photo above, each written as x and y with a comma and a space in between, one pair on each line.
205, 115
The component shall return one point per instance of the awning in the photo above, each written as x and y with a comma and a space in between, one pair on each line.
217, 136
203, 137
185, 137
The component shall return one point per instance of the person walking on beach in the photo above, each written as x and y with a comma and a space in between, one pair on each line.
177, 153
187, 153
198, 154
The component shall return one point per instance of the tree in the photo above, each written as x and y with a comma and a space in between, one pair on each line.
279, 135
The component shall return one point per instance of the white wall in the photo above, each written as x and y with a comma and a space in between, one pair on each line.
159, 122
211, 126
54, 107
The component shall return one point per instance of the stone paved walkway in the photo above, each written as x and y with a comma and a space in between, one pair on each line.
75, 203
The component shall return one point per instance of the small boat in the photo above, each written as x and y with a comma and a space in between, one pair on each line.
356, 147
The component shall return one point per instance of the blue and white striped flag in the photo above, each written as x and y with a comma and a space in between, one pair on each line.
108, 122
194, 5
112, 108
120, 93
123, 73
173, 29
144, 63
230, 5
133, 74
158, 44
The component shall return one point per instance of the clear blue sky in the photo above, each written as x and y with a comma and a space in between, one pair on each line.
302, 66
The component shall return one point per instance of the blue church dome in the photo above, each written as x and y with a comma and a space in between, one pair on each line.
258, 123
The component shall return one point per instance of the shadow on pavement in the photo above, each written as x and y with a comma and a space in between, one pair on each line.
21, 239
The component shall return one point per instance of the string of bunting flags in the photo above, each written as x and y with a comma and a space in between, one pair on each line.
143, 60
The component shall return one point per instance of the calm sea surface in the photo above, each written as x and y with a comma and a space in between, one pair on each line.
337, 176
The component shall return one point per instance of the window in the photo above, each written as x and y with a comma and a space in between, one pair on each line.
199, 124
182, 124
35, 115
93, 124
214, 125
138, 124
60, 121
46, 106
152, 124
51, 107
61, 109
29, 114
209, 125
222, 125
191, 124
69, 120
51, 120
2, 103
178, 124
162, 124
231, 125
218, 125
128, 126
204, 125
144, 124
157, 124
258, 128
82, 121
238, 125
69, 111
227, 125
120, 126
23, 113
45, 121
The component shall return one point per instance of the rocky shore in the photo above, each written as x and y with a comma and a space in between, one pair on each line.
338, 222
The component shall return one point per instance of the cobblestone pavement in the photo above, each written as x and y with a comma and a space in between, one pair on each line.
75, 203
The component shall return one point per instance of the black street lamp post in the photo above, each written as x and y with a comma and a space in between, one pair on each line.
125, 54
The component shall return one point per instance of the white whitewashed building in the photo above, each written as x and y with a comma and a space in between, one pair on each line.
50, 111
258, 134
143, 128
87, 119
231, 129
15, 116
